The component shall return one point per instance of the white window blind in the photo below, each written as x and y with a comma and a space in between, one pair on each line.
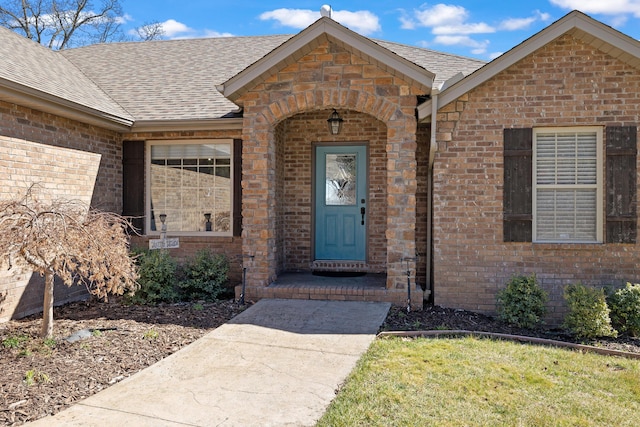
566, 186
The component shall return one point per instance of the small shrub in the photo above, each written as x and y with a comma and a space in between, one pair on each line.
625, 309
157, 277
33, 376
151, 334
523, 302
588, 315
15, 341
205, 276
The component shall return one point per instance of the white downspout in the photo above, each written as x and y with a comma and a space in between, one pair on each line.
433, 148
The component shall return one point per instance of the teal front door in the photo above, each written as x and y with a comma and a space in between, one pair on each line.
341, 202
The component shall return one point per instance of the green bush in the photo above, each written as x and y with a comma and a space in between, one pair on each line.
588, 315
523, 302
625, 309
205, 276
157, 279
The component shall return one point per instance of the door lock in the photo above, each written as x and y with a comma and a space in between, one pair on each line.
362, 211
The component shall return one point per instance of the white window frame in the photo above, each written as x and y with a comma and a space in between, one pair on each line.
598, 130
157, 232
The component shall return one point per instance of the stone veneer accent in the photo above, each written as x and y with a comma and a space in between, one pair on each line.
328, 77
566, 83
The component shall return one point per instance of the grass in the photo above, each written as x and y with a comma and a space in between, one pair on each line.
483, 382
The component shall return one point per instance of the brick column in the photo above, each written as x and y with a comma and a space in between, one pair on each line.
401, 193
258, 204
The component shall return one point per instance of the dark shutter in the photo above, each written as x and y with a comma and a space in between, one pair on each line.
517, 196
133, 183
621, 184
237, 187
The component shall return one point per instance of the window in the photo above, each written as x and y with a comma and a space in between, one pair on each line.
191, 183
567, 185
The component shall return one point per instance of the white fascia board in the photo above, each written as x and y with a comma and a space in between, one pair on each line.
186, 125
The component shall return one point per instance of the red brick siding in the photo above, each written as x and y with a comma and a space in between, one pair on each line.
328, 77
302, 132
566, 83
66, 159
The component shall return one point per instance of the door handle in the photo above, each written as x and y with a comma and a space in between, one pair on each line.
362, 211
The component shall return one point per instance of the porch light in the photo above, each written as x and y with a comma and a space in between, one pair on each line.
335, 123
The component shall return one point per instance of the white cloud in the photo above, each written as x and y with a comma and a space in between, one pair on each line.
294, 18
514, 24
450, 24
608, 7
363, 22
479, 28
173, 29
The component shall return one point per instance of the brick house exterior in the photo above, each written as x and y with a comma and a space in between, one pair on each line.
446, 204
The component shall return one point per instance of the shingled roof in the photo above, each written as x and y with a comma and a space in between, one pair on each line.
164, 80
28, 68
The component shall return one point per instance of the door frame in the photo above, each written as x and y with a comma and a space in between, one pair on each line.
314, 198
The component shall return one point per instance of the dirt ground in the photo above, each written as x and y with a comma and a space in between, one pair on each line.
44, 377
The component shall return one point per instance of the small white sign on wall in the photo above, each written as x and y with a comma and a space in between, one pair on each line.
169, 243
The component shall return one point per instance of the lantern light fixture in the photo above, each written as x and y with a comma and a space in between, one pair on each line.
335, 123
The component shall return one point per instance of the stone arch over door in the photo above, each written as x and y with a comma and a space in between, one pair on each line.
329, 77
260, 167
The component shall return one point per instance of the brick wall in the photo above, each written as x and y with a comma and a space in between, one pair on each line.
566, 83
65, 159
302, 132
328, 77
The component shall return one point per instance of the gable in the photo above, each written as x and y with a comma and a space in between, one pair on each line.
575, 24
320, 33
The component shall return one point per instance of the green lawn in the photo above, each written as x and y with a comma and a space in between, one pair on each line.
484, 382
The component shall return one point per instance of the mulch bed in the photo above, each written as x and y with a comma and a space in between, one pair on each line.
41, 378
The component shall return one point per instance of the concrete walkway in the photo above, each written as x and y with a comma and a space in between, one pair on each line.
278, 363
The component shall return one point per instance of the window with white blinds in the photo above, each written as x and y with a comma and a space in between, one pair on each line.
567, 185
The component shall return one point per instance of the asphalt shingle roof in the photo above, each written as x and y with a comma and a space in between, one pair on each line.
175, 79
165, 80
27, 63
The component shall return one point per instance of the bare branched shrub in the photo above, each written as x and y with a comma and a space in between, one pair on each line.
67, 239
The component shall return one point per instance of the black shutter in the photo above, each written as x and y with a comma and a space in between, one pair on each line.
517, 196
237, 187
621, 184
133, 183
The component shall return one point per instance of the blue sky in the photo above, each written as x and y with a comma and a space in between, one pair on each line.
480, 29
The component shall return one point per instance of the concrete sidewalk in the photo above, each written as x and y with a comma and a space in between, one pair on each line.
278, 363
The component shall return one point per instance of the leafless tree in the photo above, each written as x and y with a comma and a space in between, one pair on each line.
67, 239
150, 31
60, 24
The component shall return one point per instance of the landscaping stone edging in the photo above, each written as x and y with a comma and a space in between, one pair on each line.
520, 338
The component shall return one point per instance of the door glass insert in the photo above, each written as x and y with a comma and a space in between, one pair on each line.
340, 175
